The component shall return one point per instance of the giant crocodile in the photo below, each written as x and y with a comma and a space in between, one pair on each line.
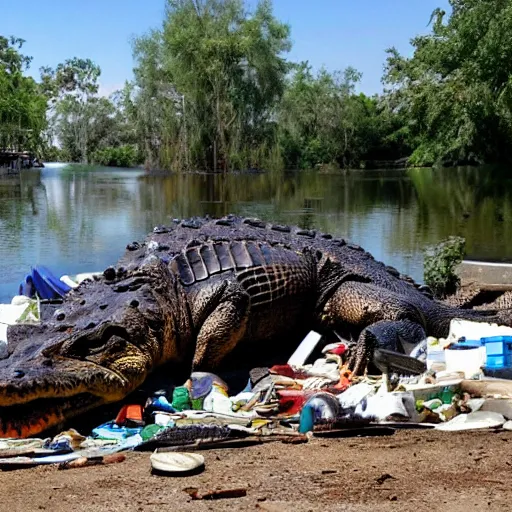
193, 292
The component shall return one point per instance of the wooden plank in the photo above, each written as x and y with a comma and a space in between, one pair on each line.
492, 276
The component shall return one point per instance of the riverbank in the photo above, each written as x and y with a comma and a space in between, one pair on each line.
11, 162
410, 470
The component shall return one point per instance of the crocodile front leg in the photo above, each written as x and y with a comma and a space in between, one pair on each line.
395, 335
222, 329
383, 318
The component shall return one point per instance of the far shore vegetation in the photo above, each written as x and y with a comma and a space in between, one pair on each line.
213, 90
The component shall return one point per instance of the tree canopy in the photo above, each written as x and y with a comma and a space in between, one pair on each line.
22, 103
214, 76
213, 90
455, 92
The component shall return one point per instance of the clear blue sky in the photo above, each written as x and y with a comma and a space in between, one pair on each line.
334, 33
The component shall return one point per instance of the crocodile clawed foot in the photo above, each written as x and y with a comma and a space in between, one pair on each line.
361, 354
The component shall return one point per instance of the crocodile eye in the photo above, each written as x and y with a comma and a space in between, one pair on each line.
112, 338
94, 346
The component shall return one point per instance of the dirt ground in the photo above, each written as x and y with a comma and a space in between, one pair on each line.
408, 471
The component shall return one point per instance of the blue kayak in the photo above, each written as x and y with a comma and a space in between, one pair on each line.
42, 282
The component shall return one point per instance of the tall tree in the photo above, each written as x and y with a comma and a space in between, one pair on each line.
220, 72
22, 104
455, 92
152, 106
323, 121
72, 88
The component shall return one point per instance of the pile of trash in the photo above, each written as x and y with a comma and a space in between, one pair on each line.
295, 401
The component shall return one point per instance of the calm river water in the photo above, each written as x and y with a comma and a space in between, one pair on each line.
73, 220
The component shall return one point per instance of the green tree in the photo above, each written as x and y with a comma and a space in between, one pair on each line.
72, 89
152, 107
323, 121
455, 92
22, 104
208, 84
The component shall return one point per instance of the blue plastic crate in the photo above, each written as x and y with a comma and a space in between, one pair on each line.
497, 362
498, 350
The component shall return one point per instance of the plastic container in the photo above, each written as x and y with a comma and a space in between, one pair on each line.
436, 360
435, 357
465, 358
499, 351
470, 343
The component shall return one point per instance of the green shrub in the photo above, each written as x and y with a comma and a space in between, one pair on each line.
440, 263
121, 156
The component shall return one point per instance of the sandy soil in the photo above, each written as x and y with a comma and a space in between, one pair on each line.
408, 471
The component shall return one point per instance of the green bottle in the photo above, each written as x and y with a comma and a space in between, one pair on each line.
446, 396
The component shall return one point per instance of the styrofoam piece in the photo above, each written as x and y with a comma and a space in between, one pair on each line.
74, 281
500, 405
87, 275
476, 404
475, 330
473, 421
449, 376
67, 280
507, 425
355, 394
304, 350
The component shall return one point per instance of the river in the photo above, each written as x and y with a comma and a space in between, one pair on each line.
75, 220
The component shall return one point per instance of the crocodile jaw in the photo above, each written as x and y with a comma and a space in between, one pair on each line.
34, 397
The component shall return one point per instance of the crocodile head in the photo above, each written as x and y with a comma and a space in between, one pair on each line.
98, 346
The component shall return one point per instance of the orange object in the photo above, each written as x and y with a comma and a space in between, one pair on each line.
345, 379
131, 413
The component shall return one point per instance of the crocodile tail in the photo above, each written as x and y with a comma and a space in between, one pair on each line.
440, 320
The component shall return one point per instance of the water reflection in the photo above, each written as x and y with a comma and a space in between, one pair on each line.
74, 220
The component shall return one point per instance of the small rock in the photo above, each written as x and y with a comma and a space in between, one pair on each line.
383, 478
